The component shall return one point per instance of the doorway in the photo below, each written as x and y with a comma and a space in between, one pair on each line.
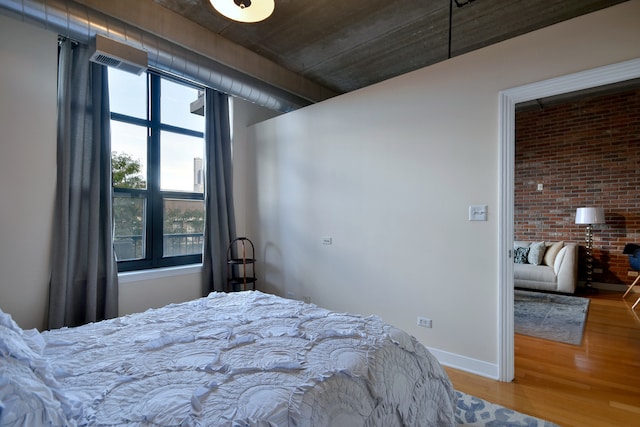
508, 99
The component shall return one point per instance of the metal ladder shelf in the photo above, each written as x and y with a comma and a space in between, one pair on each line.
241, 268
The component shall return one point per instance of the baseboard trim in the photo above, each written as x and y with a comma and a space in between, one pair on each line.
467, 364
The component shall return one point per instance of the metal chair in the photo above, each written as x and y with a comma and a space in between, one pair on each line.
633, 251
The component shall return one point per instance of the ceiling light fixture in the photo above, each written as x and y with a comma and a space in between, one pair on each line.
245, 10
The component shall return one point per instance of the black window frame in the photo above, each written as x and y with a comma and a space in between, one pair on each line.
154, 238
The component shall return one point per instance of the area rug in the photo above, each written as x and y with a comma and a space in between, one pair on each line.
473, 411
550, 316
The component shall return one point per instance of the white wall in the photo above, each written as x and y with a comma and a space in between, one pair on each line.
389, 172
244, 114
139, 291
28, 57
27, 168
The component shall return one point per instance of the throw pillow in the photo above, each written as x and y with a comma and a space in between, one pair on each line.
536, 253
552, 252
520, 255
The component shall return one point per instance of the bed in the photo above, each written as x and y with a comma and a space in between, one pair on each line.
238, 359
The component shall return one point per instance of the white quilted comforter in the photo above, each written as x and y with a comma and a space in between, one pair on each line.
247, 359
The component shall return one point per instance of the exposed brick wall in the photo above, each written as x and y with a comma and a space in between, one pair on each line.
585, 153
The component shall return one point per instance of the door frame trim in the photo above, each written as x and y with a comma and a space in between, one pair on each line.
508, 99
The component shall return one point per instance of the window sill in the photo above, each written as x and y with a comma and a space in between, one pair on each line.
158, 273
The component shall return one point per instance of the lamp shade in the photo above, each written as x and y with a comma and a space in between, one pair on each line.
590, 215
245, 10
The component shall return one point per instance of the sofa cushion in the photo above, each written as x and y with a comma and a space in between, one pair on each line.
559, 259
536, 273
536, 253
520, 255
551, 253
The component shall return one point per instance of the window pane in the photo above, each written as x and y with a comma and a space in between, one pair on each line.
128, 93
129, 227
181, 162
183, 227
128, 155
176, 105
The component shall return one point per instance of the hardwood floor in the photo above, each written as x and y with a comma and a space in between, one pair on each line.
594, 384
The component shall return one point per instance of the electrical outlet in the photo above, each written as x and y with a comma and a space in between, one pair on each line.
597, 271
632, 273
424, 322
327, 241
306, 298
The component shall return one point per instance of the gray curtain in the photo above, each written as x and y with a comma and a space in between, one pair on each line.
84, 278
220, 226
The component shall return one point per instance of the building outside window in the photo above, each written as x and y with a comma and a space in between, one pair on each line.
157, 151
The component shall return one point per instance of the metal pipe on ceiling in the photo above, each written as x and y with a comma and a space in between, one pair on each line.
80, 23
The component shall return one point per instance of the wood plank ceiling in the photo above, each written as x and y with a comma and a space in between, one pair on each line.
347, 45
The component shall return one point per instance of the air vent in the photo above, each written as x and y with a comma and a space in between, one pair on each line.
106, 60
119, 55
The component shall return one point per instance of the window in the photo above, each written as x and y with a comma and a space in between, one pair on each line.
157, 151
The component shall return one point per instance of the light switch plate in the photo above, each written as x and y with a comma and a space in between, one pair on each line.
478, 213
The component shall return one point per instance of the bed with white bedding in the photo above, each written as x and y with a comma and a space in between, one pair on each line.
237, 359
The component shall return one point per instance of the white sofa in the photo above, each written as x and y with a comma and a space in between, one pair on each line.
556, 270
